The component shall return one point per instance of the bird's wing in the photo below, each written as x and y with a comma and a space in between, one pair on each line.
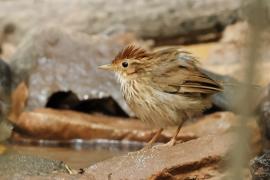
178, 73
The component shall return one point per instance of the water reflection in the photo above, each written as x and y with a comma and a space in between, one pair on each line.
76, 153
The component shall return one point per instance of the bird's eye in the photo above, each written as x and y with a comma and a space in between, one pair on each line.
125, 64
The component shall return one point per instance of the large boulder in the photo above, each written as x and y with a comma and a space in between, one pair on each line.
51, 60
149, 19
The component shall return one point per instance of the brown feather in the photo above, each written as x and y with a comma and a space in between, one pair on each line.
165, 87
130, 52
182, 75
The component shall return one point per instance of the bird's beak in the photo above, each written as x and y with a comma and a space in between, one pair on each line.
106, 67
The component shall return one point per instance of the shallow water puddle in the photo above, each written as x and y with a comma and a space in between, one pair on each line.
75, 158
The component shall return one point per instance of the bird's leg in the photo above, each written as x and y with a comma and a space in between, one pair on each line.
154, 139
173, 139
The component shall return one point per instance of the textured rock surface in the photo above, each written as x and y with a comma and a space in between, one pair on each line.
65, 125
54, 176
260, 167
54, 124
162, 162
22, 165
182, 161
5, 93
264, 113
19, 99
52, 60
228, 56
5, 87
6, 47
156, 18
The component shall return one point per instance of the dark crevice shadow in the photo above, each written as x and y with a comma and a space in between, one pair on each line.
70, 101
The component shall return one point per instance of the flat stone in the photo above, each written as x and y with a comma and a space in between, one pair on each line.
177, 161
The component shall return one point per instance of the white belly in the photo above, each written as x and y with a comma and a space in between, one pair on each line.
159, 109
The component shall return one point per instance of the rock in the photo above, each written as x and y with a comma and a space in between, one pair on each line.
227, 57
51, 60
225, 122
54, 176
263, 109
5, 130
18, 101
5, 91
63, 124
69, 100
66, 125
260, 167
5, 87
183, 161
7, 51
157, 19
6, 48
24, 165
234, 39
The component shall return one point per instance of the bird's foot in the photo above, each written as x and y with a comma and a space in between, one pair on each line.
147, 146
152, 142
171, 143
173, 140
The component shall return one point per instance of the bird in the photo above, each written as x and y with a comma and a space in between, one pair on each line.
163, 88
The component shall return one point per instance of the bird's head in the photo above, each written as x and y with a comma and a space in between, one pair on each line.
129, 63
